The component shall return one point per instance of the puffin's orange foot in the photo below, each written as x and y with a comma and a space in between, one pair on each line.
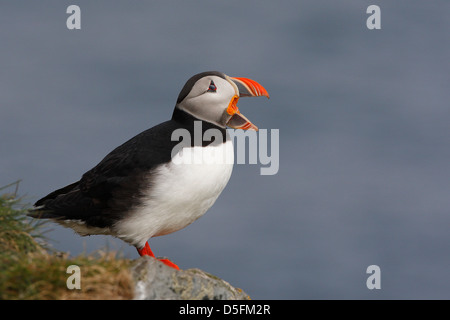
146, 251
169, 263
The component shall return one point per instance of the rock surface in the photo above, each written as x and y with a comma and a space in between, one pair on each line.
156, 281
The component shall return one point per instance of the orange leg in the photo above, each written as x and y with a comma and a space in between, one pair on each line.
146, 251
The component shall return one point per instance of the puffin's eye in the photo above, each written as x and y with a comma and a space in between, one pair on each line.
212, 87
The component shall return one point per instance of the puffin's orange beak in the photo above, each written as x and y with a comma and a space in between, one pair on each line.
246, 88
249, 88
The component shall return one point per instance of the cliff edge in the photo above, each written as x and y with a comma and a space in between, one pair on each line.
156, 281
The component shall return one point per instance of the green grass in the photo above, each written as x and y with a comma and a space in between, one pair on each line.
29, 270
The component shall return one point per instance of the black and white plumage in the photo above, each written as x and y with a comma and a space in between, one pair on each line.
139, 191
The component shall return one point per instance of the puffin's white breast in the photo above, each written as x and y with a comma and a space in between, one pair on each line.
179, 192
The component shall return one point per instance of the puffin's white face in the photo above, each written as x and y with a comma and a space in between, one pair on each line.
213, 98
209, 99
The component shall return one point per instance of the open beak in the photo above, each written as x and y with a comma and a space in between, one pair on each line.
245, 88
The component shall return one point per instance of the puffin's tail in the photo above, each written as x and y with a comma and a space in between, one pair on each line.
42, 213
44, 208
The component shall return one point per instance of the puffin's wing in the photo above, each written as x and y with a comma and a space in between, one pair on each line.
56, 193
130, 162
109, 189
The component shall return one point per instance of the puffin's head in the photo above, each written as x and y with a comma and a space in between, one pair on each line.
212, 96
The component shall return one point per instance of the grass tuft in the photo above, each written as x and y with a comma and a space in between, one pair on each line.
29, 270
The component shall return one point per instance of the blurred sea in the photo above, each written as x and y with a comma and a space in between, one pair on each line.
363, 117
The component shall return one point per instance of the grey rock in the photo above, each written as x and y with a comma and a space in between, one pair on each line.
156, 281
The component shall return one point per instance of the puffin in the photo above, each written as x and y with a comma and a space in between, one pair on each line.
165, 177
